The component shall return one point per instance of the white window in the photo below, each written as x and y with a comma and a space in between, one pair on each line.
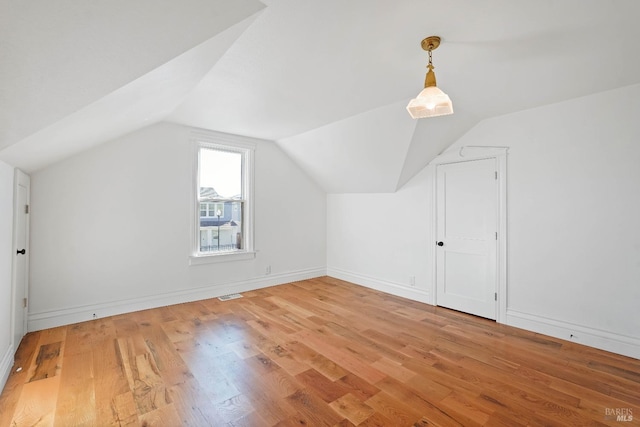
211, 209
223, 206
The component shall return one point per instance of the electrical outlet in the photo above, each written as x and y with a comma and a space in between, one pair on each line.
268, 270
412, 280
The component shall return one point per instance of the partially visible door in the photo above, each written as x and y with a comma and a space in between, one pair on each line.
21, 256
466, 232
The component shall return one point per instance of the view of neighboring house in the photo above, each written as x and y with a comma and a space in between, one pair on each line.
220, 222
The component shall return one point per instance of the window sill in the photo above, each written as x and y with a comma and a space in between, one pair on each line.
224, 257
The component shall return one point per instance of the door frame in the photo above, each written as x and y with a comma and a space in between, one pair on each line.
465, 154
20, 178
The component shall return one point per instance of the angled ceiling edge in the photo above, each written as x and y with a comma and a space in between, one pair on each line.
360, 154
140, 103
58, 60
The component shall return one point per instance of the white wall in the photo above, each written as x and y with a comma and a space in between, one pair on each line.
380, 240
6, 246
110, 229
573, 208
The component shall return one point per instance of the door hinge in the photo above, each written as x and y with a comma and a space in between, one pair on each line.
496, 235
26, 209
496, 174
24, 303
495, 296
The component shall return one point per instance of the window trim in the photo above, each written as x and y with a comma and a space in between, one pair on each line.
232, 143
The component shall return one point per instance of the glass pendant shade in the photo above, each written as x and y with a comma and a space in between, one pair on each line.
431, 102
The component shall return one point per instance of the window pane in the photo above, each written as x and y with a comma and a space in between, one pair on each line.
220, 174
224, 217
224, 233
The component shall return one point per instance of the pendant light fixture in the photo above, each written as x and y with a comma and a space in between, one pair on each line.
431, 102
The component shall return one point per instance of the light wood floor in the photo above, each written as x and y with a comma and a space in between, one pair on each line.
320, 352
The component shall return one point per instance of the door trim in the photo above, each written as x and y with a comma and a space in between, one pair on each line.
20, 178
465, 154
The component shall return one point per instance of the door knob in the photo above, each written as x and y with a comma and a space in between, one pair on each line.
22, 252
440, 243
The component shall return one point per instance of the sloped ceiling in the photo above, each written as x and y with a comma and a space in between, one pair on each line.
326, 80
76, 73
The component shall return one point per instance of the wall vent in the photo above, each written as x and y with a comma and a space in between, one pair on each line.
230, 296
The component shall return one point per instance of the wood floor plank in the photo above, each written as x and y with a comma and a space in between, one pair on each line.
323, 387
253, 419
280, 383
191, 404
308, 357
313, 409
233, 409
124, 410
427, 404
18, 377
394, 409
81, 337
352, 408
37, 403
315, 352
163, 416
393, 369
377, 420
342, 357
272, 409
466, 411
362, 389
76, 403
48, 361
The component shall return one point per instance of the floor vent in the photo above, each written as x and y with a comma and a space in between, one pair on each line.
230, 296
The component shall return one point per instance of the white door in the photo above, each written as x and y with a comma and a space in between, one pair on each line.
466, 232
21, 256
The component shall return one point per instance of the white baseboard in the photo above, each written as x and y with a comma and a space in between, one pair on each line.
5, 366
603, 340
67, 316
381, 285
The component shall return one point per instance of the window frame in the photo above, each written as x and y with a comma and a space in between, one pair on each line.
229, 143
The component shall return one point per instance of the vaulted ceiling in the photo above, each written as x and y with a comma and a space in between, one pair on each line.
326, 80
